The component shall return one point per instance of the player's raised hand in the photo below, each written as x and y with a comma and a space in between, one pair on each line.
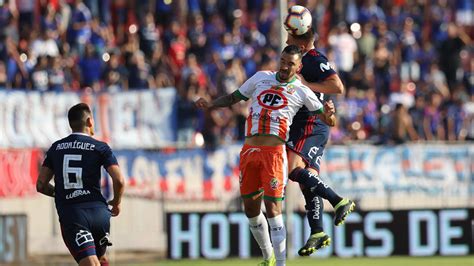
202, 103
115, 207
329, 107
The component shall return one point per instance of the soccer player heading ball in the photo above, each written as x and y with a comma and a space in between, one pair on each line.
309, 133
275, 99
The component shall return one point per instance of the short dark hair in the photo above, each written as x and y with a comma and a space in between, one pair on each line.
77, 116
307, 36
293, 49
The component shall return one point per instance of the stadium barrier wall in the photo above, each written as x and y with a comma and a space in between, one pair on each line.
424, 232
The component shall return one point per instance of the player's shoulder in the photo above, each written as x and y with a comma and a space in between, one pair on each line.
302, 88
315, 55
264, 74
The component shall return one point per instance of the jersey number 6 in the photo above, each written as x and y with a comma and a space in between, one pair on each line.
77, 171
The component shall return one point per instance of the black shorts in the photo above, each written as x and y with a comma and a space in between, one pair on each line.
85, 229
308, 139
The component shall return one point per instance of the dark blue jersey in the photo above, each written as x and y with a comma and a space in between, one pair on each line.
316, 68
76, 162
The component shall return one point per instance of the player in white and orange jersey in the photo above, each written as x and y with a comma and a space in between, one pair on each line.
276, 97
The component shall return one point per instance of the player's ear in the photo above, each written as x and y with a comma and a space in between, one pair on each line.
89, 121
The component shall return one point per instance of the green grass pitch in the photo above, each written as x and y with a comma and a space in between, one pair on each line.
390, 261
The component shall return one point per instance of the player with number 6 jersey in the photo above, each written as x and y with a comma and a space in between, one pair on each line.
75, 163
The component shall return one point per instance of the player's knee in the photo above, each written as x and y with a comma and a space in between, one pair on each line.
294, 161
273, 208
295, 174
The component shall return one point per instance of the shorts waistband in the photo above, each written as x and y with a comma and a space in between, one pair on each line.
265, 148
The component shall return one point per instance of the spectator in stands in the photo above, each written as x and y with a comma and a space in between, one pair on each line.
3, 76
91, 66
81, 26
402, 125
115, 75
39, 75
56, 75
449, 49
432, 118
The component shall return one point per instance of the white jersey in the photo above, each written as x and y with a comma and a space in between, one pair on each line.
275, 103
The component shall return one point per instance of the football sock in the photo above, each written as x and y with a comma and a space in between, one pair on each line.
314, 184
314, 210
278, 234
259, 229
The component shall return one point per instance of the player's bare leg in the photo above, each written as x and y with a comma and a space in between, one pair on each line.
259, 227
104, 261
277, 229
89, 261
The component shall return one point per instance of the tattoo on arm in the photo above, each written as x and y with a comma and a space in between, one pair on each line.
226, 101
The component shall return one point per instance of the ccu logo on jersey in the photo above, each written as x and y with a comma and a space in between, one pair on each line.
272, 99
274, 183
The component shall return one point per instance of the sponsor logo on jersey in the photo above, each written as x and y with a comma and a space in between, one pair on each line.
324, 67
83, 237
77, 193
274, 183
272, 99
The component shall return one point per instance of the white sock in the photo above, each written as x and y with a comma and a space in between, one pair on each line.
259, 229
278, 233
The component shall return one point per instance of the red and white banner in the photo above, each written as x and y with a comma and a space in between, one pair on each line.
18, 171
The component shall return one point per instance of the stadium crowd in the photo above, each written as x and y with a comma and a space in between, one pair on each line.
407, 65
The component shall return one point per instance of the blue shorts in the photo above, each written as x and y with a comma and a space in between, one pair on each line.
308, 139
85, 229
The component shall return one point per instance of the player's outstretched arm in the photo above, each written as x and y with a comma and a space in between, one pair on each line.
223, 101
331, 85
329, 116
42, 184
118, 184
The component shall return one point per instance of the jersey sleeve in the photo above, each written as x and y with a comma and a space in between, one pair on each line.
316, 68
48, 161
246, 90
108, 157
311, 101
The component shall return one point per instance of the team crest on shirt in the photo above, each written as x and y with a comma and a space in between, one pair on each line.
272, 99
291, 89
274, 183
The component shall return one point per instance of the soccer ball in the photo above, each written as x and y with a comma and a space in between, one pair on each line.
298, 21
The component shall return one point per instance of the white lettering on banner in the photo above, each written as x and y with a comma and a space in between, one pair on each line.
416, 246
244, 233
223, 247
193, 176
448, 232
180, 236
139, 119
220, 235
383, 235
16, 114
356, 248
146, 175
363, 171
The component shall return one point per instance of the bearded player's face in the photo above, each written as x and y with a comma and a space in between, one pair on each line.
289, 66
